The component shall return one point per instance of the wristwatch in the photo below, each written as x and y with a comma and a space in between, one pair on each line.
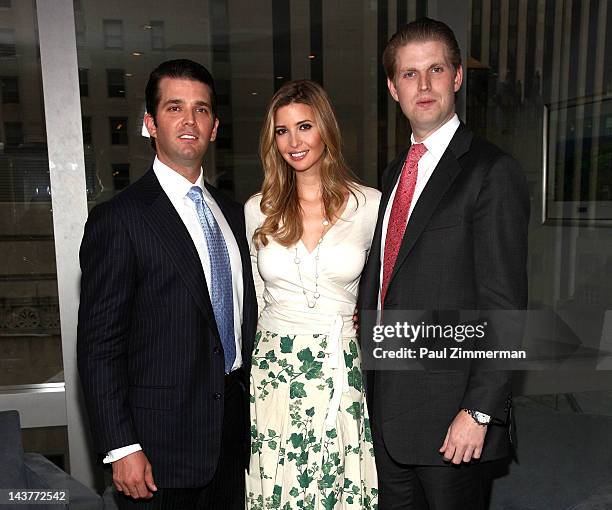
480, 418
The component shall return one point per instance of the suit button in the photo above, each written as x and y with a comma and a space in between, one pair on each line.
217, 350
217, 396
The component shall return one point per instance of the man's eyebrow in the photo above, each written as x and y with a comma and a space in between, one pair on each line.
412, 68
180, 101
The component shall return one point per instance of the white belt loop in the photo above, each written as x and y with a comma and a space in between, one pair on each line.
336, 362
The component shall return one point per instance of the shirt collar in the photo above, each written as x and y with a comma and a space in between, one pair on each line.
173, 183
437, 142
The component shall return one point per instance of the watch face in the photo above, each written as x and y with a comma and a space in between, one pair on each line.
480, 418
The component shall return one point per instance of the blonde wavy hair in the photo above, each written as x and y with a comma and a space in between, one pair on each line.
279, 201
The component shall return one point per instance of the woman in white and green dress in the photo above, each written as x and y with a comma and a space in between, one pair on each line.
310, 231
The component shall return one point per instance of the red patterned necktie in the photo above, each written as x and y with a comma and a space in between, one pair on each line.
399, 213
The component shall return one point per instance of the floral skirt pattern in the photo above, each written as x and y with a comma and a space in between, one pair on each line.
301, 456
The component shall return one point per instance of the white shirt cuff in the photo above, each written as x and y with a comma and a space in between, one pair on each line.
119, 453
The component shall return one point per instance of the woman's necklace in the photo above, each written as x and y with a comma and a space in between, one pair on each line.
312, 302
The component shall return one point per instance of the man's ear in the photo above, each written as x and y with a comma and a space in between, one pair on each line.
458, 78
150, 125
213, 134
392, 90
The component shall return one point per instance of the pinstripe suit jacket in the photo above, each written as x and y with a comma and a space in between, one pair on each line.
149, 352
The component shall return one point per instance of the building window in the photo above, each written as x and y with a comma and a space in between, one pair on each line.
13, 133
80, 27
7, 42
157, 35
118, 129
121, 176
10, 89
115, 79
84, 82
81, 40
113, 34
86, 123
6, 4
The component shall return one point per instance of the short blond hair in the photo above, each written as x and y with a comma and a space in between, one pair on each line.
421, 30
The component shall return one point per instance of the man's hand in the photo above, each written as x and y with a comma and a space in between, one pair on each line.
133, 476
464, 439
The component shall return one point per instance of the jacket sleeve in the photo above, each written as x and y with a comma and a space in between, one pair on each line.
500, 230
108, 282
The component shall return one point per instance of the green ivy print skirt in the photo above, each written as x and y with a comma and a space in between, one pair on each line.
299, 460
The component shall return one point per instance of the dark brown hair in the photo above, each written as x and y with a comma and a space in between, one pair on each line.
183, 69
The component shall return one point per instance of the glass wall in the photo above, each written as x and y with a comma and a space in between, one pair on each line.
30, 340
251, 48
540, 87
30, 343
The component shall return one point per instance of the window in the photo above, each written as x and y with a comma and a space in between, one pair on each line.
115, 79
81, 40
118, 129
10, 89
157, 35
113, 34
80, 28
121, 176
6, 4
86, 124
84, 82
13, 133
7, 42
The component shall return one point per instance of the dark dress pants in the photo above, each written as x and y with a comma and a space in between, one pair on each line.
226, 490
445, 487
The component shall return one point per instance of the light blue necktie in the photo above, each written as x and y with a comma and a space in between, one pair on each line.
221, 276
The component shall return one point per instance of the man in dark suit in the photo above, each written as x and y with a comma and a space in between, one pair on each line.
167, 315
451, 235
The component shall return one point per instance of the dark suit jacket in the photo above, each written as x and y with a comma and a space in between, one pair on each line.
149, 352
464, 248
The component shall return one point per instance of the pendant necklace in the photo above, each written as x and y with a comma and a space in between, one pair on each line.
312, 301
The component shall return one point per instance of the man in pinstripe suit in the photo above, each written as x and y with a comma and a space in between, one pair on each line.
167, 315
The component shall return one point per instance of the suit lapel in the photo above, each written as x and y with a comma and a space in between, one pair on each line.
442, 177
173, 237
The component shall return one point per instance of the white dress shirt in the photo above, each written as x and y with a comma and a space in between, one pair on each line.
176, 187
